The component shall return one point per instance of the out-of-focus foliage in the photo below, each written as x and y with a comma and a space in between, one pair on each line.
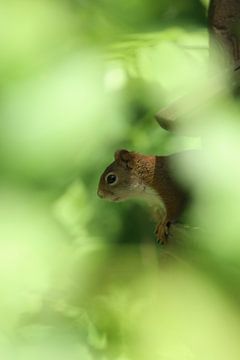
81, 278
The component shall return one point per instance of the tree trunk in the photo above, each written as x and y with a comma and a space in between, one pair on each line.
224, 34
224, 27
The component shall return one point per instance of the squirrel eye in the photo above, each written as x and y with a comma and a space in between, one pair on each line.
111, 179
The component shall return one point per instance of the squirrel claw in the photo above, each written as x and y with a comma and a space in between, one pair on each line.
162, 232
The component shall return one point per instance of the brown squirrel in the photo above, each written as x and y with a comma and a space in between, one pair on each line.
150, 177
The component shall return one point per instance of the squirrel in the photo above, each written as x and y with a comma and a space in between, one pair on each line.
151, 177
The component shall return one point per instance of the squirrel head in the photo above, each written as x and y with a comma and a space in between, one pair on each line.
120, 180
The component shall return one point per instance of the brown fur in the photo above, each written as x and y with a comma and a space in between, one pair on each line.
136, 173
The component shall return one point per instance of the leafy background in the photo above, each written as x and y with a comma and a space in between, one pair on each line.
81, 278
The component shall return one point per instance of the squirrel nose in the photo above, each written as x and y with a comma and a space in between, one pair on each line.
100, 193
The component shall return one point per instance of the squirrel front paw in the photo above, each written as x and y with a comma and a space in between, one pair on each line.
162, 232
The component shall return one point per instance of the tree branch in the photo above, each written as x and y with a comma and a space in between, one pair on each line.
224, 33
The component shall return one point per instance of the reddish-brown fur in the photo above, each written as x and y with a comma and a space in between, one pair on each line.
136, 173
156, 173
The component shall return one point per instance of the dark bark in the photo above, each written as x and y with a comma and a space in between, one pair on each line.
224, 34
224, 27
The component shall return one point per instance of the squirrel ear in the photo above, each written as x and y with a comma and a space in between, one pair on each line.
125, 157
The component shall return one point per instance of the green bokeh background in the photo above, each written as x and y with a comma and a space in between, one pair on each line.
81, 278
